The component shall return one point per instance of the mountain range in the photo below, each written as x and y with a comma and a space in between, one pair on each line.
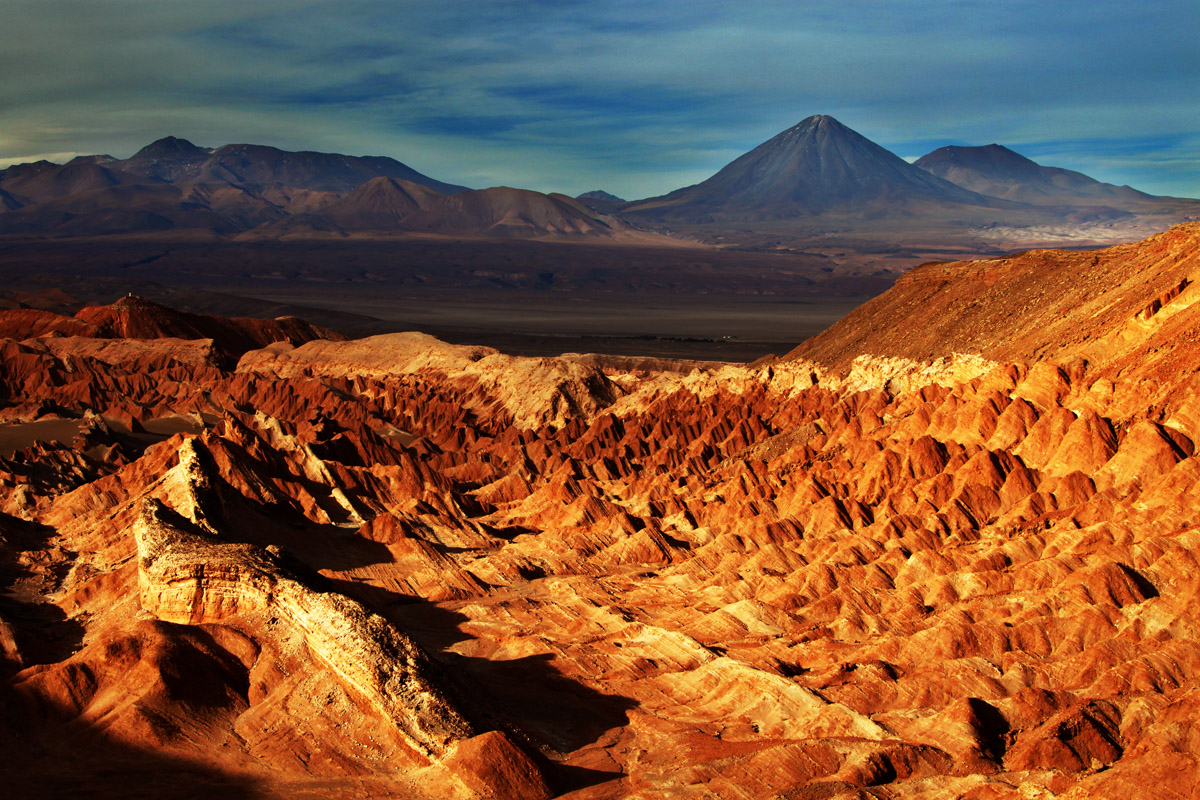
815, 177
815, 167
172, 185
820, 177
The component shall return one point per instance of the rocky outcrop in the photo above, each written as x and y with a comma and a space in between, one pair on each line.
136, 318
534, 392
185, 576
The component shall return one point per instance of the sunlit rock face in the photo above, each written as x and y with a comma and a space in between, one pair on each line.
953, 560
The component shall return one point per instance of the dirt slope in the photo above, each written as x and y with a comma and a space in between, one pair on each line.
1043, 303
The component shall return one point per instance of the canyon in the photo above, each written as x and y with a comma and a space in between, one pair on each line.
946, 548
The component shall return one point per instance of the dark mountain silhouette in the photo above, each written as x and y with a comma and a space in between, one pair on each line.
600, 195
391, 205
173, 185
178, 161
1000, 172
815, 167
171, 148
601, 201
168, 159
259, 164
42, 181
505, 212
380, 204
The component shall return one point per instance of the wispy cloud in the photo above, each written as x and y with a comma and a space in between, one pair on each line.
634, 97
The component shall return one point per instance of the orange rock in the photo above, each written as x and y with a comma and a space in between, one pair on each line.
493, 767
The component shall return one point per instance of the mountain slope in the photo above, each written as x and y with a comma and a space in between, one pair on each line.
508, 213
259, 164
219, 208
1101, 305
817, 166
42, 181
390, 206
380, 204
995, 170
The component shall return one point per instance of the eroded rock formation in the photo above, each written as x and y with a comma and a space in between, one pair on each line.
905, 566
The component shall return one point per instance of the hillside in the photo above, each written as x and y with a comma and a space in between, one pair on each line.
1097, 305
997, 171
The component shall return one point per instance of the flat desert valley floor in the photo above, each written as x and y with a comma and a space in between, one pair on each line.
525, 298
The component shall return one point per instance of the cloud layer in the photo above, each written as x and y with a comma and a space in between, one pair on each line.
637, 98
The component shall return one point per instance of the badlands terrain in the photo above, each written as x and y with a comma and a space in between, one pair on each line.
946, 549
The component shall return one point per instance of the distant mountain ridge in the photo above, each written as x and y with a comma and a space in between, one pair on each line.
998, 171
177, 160
601, 201
171, 160
239, 189
599, 194
390, 204
817, 178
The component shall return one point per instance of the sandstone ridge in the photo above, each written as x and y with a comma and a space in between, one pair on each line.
191, 578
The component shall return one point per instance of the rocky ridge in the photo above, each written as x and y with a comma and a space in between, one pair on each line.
958, 564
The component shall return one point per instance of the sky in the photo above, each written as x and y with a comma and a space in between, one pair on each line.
635, 97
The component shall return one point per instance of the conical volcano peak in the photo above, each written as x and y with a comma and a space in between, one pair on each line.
818, 165
815, 120
817, 124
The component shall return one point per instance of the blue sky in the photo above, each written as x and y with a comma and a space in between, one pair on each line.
637, 98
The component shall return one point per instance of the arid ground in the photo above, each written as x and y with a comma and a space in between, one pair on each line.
531, 298
946, 549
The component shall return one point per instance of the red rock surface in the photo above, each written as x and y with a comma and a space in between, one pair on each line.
135, 318
959, 564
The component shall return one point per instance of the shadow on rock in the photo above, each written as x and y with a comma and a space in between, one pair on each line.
529, 697
45, 753
38, 632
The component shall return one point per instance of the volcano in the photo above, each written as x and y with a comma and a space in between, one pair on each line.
812, 168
